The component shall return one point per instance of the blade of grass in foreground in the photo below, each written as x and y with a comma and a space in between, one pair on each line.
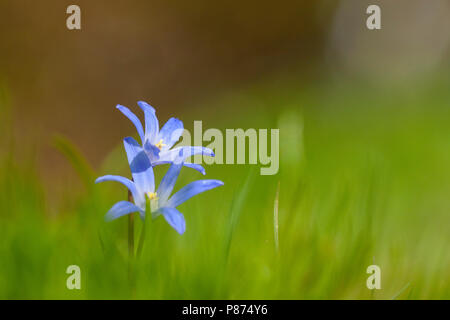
275, 218
401, 291
236, 209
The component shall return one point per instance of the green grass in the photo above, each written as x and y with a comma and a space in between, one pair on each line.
364, 178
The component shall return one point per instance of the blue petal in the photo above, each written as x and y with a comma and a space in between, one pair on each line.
191, 190
195, 166
171, 155
168, 181
140, 166
174, 218
127, 182
145, 105
122, 208
152, 151
137, 123
151, 122
171, 132
158, 163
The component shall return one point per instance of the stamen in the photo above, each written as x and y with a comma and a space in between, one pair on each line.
160, 144
152, 195
154, 201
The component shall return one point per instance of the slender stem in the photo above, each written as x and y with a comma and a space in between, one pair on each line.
144, 226
130, 230
141, 241
130, 235
275, 218
131, 245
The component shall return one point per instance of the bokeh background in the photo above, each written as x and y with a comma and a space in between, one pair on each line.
364, 120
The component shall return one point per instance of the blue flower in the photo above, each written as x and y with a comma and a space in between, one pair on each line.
143, 188
158, 143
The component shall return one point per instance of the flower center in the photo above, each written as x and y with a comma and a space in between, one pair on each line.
160, 144
152, 195
154, 201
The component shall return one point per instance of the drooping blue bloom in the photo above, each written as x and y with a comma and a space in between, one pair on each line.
143, 188
158, 143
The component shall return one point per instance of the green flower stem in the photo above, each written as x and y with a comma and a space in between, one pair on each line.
131, 247
141, 241
148, 215
130, 230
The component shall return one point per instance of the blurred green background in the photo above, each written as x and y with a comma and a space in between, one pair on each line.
364, 120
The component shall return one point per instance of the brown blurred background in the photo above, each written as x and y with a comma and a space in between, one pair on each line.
160, 51
174, 53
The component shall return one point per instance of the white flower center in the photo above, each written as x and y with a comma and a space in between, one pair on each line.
154, 201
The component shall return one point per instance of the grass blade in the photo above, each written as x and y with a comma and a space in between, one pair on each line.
401, 291
236, 209
275, 218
